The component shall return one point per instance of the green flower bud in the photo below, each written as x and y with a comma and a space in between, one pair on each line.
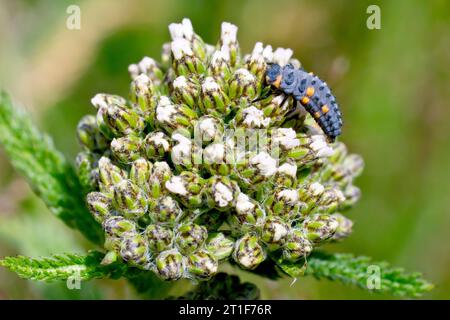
119, 120
170, 265
165, 210
218, 159
202, 265
213, 100
171, 117
109, 258
275, 107
161, 173
310, 194
228, 43
297, 246
258, 168
284, 203
330, 200
257, 61
208, 129
221, 193
117, 227
352, 195
134, 250
150, 68
219, 67
344, 228
156, 145
143, 95
126, 149
274, 233
219, 245
320, 227
186, 91
248, 216
184, 60
185, 155
103, 100
243, 84
185, 31
99, 205
286, 175
190, 237
109, 175
251, 118
159, 237
248, 253
87, 170
89, 135
140, 172
188, 187
129, 200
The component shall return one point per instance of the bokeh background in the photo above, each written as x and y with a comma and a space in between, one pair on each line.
392, 84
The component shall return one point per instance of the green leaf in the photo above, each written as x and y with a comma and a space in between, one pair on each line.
51, 177
361, 272
62, 267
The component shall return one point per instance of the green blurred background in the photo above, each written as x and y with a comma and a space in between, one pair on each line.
392, 84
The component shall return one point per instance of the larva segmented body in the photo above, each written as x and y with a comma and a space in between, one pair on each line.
313, 94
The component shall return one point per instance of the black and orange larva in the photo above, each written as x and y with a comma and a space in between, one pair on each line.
312, 93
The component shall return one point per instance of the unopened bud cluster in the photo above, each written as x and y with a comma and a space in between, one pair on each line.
178, 207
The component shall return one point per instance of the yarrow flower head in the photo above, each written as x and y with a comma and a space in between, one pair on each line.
192, 170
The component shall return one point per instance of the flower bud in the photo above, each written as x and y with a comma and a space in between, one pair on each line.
344, 228
274, 233
109, 175
276, 107
185, 155
259, 168
143, 95
109, 258
330, 200
228, 43
188, 188
134, 250
140, 173
202, 265
257, 61
243, 84
190, 237
169, 265
319, 227
165, 210
208, 129
284, 203
213, 100
352, 195
186, 90
156, 145
248, 253
221, 193
219, 245
184, 60
89, 135
286, 175
248, 215
171, 117
149, 67
219, 67
117, 227
126, 149
159, 237
282, 56
99, 205
103, 100
118, 120
310, 194
184, 30
218, 159
251, 118
297, 246
161, 173
129, 200
87, 170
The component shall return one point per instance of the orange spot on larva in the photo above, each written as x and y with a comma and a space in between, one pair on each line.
277, 82
304, 100
325, 108
317, 114
310, 91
